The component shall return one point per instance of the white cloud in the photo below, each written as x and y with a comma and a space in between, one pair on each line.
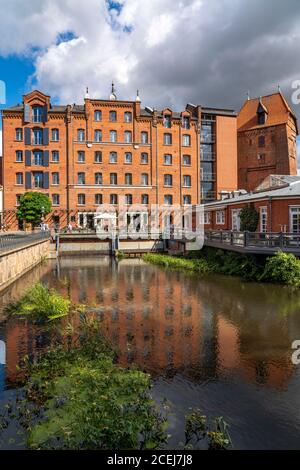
175, 51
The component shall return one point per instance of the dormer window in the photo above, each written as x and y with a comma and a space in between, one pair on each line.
186, 122
262, 113
167, 121
37, 114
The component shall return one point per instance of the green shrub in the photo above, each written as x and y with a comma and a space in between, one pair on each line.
283, 268
39, 304
249, 219
176, 262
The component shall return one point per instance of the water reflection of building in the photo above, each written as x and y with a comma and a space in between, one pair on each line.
167, 321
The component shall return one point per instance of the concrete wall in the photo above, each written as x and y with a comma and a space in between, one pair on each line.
15, 262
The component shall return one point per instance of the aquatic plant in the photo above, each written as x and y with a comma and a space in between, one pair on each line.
78, 398
40, 304
199, 429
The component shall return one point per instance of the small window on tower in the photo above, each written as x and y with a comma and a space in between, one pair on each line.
261, 141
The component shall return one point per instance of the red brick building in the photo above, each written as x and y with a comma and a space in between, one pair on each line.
87, 156
267, 130
277, 200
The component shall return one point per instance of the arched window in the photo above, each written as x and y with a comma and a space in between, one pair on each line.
97, 115
80, 135
113, 136
127, 116
127, 137
98, 135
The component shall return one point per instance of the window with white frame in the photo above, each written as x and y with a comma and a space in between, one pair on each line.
168, 180
113, 136
127, 116
98, 135
186, 140
295, 219
55, 199
127, 137
263, 219
220, 217
144, 179
81, 156
98, 156
186, 181
113, 157
128, 157
167, 139
144, 137
97, 115
167, 159
55, 135
144, 158
207, 217
80, 135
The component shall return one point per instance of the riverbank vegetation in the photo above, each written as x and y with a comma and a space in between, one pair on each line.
40, 304
74, 394
283, 268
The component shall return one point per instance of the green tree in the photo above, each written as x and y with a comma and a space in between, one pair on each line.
33, 206
249, 219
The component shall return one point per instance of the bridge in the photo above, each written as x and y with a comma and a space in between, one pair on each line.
266, 243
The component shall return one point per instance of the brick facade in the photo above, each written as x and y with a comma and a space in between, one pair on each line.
267, 130
55, 149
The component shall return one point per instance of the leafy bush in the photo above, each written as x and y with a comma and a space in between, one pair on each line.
76, 397
33, 206
198, 428
283, 268
40, 304
249, 219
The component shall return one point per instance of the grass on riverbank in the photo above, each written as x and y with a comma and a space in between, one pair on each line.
282, 268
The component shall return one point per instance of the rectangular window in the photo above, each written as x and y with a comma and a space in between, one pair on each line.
127, 116
145, 199
167, 121
98, 178
186, 181
98, 135
186, 160
37, 158
80, 178
113, 157
98, 199
295, 220
187, 199
37, 179
19, 178
55, 156
37, 136
113, 199
81, 199
168, 199
144, 179
167, 139
37, 114
113, 136
261, 141
112, 116
168, 180
97, 115
144, 158
80, 135
186, 122
220, 217
19, 156
98, 157
168, 159
19, 134
113, 178
18, 199
144, 137
55, 178
207, 217
55, 199
81, 156
128, 157
128, 199
186, 140
263, 216
55, 135
128, 178
127, 137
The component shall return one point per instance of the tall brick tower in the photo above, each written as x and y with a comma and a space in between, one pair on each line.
267, 130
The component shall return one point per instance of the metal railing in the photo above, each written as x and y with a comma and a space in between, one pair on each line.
254, 239
9, 241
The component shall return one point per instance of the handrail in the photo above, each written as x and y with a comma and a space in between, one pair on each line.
17, 240
254, 239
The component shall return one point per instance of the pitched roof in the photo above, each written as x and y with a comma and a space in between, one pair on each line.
289, 186
275, 105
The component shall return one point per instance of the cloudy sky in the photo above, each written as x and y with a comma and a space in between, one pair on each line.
208, 52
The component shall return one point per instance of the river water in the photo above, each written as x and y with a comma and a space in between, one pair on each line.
216, 343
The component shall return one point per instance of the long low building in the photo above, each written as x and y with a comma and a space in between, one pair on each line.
276, 199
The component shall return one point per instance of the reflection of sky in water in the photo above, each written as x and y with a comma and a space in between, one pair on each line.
214, 343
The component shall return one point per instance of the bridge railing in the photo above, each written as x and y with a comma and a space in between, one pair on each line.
9, 241
254, 239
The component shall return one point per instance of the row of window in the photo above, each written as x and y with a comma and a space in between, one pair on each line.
113, 199
38, 136
220, 217
37, 158
144, 181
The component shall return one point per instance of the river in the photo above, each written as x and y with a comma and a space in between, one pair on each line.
216, 343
